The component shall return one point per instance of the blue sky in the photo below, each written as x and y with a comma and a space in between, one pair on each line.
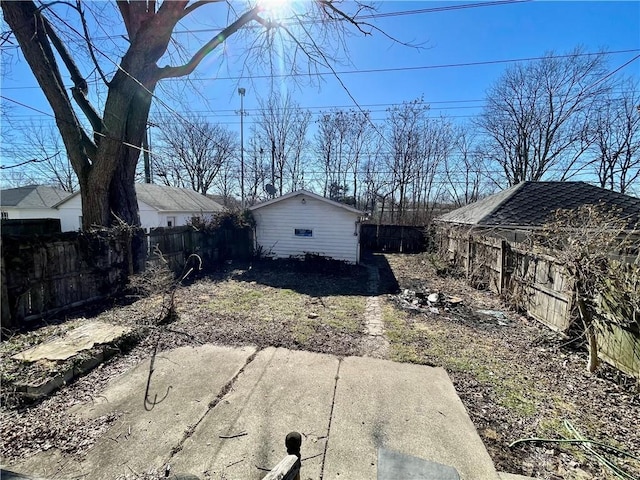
481, 34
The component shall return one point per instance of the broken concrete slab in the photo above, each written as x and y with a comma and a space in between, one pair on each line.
411, 409
44, 387
73, 342
155, 413
278, 392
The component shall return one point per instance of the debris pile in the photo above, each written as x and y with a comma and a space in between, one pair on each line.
436, 303
427, 302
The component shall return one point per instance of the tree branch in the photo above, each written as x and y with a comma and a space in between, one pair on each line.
80, 88
187, 68
198, 4
23, 18
87, 38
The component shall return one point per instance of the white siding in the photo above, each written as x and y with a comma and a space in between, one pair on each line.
333, 229
149, 217
71, 210
70, 213
23, 213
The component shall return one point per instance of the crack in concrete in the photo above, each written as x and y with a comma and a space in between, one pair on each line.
333, 403
212, 404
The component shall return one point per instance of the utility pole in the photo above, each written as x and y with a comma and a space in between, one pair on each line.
241, 92
273, 163
145, 152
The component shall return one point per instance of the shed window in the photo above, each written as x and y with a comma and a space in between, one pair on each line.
5, 215
303, 232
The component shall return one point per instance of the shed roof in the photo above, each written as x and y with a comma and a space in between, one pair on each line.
32, 196
309, 194
531, 204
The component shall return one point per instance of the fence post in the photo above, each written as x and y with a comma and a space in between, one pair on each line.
6, 311
503, 252
469, 249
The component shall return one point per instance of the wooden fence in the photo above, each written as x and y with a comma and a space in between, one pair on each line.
44, 276
393, 238
536, 282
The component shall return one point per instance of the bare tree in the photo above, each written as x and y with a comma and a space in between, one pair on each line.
257, 171
375, 182
536, 115
282, 129
464, 170
226, 184
326, 140
342, 141
405, 134
616, 137
105, 157
438, 140
193, 153
42, 158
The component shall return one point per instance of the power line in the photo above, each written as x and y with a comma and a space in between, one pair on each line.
393, 69
359, 18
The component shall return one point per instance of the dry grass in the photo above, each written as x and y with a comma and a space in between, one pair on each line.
516, 380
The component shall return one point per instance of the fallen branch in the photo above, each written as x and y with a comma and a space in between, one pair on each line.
241, 434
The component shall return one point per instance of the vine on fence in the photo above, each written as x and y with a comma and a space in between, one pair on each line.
594, 244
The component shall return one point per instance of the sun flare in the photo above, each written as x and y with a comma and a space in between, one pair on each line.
276, 9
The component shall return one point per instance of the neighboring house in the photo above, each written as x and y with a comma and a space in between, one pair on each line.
33, 201
529, 205
160, 206
302, 222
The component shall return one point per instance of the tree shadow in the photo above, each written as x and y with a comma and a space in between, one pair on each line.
320, 277
387, 283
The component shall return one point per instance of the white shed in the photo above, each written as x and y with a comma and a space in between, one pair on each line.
302, 222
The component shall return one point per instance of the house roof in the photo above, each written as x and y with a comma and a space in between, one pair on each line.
531, 204
170, 199
308, 194
32, 196
175, 199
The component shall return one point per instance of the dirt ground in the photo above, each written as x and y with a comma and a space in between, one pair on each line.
516, 378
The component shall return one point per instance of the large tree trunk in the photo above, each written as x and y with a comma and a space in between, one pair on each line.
105, 165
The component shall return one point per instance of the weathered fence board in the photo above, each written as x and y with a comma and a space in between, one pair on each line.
540, 285
536, 282
43, 276
393, 238
621, 348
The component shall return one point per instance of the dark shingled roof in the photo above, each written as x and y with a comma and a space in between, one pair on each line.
32, 196
531, 204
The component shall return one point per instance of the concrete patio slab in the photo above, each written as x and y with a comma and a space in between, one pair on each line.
407, 408
280, 391
223, 413
184, 382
